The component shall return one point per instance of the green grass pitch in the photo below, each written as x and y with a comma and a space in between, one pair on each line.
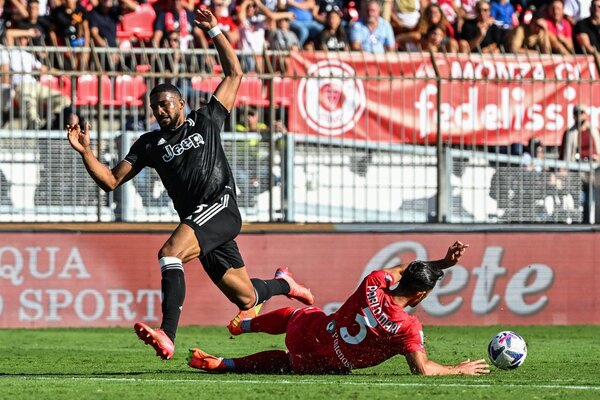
111, 363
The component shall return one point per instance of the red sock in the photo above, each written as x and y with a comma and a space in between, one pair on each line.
271, 361
274, 322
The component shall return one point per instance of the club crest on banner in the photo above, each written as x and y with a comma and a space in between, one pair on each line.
330, 99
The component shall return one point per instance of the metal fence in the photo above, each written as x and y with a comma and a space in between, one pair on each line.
298, 176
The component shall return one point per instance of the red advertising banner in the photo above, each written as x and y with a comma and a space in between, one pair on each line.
113, 279
400, 97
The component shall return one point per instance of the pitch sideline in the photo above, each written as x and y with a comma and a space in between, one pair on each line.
301, 381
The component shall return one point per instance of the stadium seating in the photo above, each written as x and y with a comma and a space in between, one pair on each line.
282, 91
129, 90
138, 24
252, 92
87, 91
61, 83
206, 84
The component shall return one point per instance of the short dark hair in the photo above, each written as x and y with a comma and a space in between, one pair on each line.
419, 276
165, 87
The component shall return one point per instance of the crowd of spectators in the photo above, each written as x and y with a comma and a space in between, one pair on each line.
252, 26
376, 26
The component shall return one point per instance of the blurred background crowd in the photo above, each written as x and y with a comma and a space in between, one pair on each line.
51, 44
510, 26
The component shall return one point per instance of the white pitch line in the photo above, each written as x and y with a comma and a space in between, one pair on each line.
306, 382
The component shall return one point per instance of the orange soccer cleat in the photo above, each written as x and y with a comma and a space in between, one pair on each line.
297, 291
200, 360
156, 338
235, 325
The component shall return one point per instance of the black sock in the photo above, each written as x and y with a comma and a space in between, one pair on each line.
173, 291
265, 289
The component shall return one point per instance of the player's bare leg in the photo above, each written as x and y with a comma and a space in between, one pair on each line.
237, 287
181, 247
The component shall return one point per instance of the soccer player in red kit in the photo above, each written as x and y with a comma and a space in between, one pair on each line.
369, 328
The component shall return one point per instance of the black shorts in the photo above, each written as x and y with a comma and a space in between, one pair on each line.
216, 225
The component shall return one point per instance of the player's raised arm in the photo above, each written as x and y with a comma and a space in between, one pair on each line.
104, 177
454, 253
228, 88
420, 364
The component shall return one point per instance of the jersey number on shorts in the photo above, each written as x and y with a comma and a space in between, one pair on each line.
363, 321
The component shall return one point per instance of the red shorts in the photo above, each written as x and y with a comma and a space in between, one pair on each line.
310, 352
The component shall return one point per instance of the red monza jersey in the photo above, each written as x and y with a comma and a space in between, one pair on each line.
368, 329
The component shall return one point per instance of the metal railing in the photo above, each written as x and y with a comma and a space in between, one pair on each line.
394, 171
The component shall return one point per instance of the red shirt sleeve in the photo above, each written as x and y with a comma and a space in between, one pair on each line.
411, 339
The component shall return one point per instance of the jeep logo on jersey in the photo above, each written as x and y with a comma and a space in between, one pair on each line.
194, 141
330, 99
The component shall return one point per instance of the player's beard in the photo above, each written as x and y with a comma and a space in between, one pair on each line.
167, 124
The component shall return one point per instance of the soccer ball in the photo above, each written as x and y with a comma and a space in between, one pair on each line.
507, 350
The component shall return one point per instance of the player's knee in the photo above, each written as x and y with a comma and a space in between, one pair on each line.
167, 250
163, 253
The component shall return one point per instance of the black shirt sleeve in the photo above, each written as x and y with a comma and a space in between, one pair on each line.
137, 155
217, 112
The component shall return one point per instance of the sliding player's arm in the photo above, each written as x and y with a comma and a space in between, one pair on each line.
420, 364
455, 252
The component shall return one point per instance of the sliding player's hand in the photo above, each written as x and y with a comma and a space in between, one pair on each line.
455, 252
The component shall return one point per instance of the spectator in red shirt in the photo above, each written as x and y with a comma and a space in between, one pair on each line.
178, 18
560, 31
369, 328
225, 22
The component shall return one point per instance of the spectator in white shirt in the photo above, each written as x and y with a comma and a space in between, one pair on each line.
576, 10
30, 94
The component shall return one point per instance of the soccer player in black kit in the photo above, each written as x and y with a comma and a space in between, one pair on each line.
189, 158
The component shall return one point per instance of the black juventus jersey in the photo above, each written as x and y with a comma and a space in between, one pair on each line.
190, 160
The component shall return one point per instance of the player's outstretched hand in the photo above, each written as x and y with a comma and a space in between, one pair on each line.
476, 367
455, 252
205, 19
79, 138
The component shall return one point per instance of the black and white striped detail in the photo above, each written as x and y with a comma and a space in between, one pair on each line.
168, 263
205, 215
